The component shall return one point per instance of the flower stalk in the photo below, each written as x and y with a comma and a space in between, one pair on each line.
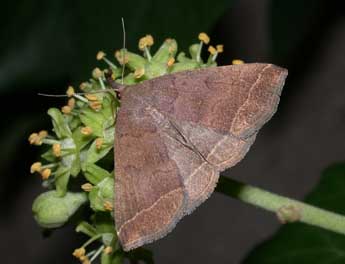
272, 202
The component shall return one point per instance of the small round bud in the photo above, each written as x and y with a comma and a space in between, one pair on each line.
204, 37
51, 211
100, 55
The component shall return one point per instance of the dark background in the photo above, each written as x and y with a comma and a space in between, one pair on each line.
47, 45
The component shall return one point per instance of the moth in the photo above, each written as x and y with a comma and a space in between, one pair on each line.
176, 133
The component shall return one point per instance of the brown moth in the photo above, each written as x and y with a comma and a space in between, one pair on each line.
176, 133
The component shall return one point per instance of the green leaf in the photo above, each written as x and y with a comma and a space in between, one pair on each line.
300, 243
62, 175
87, 229
95, 174
60, 125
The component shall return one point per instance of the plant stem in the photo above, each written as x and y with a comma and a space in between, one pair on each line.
273, 202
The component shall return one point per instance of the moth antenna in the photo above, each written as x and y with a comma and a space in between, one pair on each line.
124, 46
65, 95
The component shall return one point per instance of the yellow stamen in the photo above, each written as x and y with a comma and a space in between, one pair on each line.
83, 85
121, 56
36, 167
108, 206
171, 61
138, 73
96, 105
108, 250
91, 97
46, 173
36, 139
71, 103
149, 40
70, 91
79, 252
66, 109
32, 138
87, 187
86, 260
204, 37
220, 48
100, 55
142, 43
146, 41
237, 62
42, 134
86, 130
57, 150
97, 73
212, 50
99, 143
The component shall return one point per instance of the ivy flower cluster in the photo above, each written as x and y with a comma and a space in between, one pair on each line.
76, 166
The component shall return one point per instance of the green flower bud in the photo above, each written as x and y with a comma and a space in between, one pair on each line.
51, 211
194, 50
181, 57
